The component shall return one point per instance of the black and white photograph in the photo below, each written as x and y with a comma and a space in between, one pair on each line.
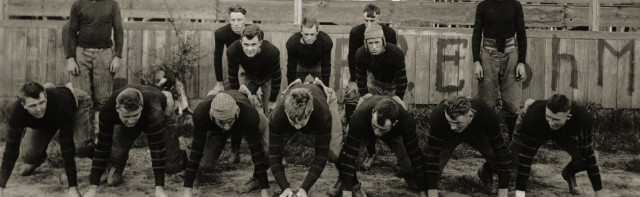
319, 98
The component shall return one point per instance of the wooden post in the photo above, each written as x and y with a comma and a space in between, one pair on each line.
594, 15
297, 12
3, 9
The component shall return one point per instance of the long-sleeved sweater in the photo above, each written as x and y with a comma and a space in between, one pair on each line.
264, 65
224, 38
356, 40
91, 23
151, 122
388, 67
319, 125
484, 121
61, 108
245, 125
361, 130
309, 54
499, 20
577, 132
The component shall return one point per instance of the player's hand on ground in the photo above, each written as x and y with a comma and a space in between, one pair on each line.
400, 101
287, 193
264, 193
91, 192
432, 193
521, 72
115, 64
160, 192
479, 73
72, 67
602, 193
520, 193
73, 192
352, 86
365, 97
219, 87
272, 105
503, 192
301, 193
188, 192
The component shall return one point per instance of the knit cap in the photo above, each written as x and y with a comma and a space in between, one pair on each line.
251, 30
373, 31
223, 107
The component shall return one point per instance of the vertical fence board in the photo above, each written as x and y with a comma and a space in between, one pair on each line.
548, 69
410, 65
434, 95
624, 94
595, 89
537, 63
565, 67
635, 101
60, 59
206, 70
42, 54
134, 55
32, 70
19, 59
581, 54
610, 74
6, 57
51, 56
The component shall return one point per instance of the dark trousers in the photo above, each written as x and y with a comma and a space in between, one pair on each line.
478, 141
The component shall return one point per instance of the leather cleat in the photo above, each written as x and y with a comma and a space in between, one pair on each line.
571, 181
336, 190
250, 185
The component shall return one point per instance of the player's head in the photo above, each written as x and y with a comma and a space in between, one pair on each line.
33, 99
309, 29
129, 106
251, 40
385, 115
224, 111
298, 105
371, 15
558, 111
374, 40
237, 18
458, 112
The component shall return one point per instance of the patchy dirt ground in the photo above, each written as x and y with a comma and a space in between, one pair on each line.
458, 179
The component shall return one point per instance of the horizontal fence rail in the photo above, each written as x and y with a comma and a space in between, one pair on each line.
538, 13
598, 67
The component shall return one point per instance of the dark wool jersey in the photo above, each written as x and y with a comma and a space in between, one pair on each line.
61, 108
484, 121
309, 55
388, 67
246, 125
577, 132
224, 38
499, 20
151, 122
356, 40
265, 64
319, 125
361, 130
91, 23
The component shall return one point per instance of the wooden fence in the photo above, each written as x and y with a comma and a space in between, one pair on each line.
599, 67
538, 13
